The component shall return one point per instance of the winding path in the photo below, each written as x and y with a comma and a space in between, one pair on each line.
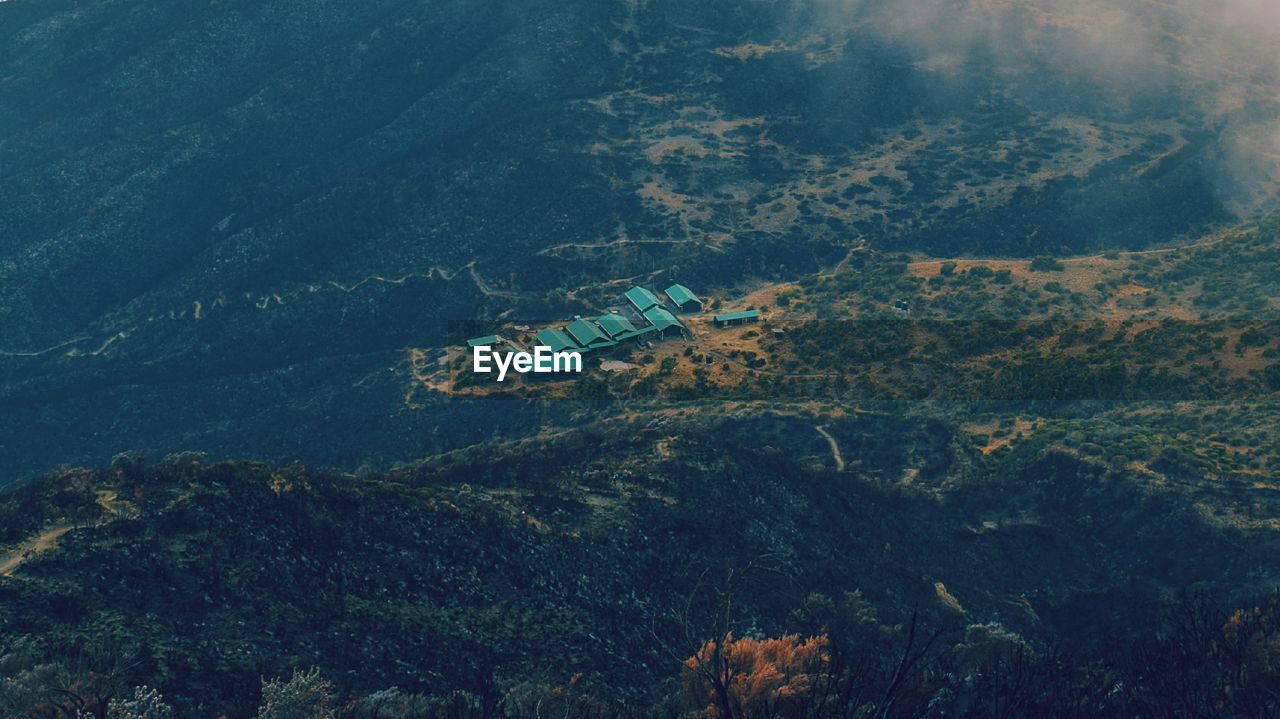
42, 542
112, 507
835, 448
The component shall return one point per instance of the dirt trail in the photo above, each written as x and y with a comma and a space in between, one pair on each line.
835, 448
43, 541
112, 507
47, 350
484, 287
931, 266
844, 261
199, 310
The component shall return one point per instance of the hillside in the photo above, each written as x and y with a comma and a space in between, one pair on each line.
504, 566
221, 218
931, 359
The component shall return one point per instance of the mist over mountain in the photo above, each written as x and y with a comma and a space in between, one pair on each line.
1217, 57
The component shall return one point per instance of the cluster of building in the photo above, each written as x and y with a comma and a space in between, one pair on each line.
649, 316
646, 316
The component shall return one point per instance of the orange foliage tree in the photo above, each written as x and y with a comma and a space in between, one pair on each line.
756, 678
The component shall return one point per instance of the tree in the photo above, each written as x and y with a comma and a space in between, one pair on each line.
999, 672
712, 666
306, 695
84, 685
859, 649
1248, 653
146, 703
755, 678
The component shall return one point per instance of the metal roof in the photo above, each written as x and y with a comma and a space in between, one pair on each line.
586, 333
615, 325
486, 341
642, 299
743, 315
556, 339
661, 318
681, 295
636, 333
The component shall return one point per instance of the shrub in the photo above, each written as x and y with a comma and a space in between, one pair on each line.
146, 703
1046, 264
306, 695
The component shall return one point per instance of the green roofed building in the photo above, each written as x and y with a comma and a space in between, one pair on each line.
683, 298
737, 318
642, 299
486, 341
557, 340
588, 334
663, 322
615, 325
639, 332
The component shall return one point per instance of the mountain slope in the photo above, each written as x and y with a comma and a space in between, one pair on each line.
210, 197
487, 567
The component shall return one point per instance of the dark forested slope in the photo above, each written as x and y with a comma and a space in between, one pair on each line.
535, 562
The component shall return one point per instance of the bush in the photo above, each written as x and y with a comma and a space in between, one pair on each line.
306, 695
1046, 264
146, 703
1272, 377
